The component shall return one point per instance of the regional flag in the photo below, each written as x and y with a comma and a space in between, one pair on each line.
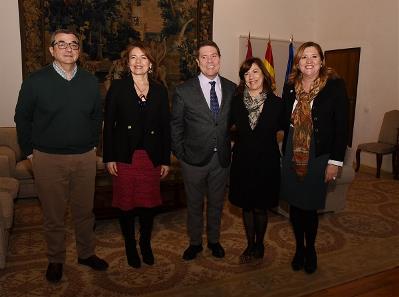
269, 64
249, 48
290, 60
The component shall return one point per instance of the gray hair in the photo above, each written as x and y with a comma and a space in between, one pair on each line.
59, 31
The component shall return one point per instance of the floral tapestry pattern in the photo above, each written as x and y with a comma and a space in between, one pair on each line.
171, 28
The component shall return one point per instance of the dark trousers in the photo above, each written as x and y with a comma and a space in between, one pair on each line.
200, 182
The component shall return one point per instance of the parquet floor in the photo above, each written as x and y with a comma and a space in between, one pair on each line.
383, 284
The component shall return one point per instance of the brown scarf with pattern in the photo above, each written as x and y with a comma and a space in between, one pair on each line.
301, 119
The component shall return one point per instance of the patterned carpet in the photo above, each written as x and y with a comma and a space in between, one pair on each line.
359, 241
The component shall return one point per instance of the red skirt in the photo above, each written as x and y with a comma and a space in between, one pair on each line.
137, 184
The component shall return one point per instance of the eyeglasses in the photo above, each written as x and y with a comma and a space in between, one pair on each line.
64, 45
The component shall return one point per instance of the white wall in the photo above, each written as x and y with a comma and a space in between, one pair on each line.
373, 26
10, 61
233, 18
370, 24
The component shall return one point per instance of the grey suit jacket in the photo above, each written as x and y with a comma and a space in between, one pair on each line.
195, 132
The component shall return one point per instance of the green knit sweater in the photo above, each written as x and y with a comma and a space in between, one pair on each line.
57, 116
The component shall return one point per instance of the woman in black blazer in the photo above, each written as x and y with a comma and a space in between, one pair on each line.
314, 145
137, 148
255, 169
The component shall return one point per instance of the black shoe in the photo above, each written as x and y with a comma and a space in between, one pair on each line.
310, 260
191, 252
146, 253
217, 250
259, 251
298, 260
54, 272
248, 255
94, 262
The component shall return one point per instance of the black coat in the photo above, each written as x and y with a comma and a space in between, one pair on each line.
329, 116
124, 127
255, 168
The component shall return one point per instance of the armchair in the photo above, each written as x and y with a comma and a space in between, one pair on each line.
18, 167
336, 191
8, 192
386, 143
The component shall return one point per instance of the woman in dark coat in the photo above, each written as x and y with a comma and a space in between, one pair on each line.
137, 149
257, 115
314, 145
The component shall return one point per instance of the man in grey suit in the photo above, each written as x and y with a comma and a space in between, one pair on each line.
201, 141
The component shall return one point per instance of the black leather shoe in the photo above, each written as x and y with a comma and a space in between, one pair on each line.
191, 252
298, 261
217, 250
54, 272
310, 265
94, 262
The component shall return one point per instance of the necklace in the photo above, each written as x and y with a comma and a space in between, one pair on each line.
142, 96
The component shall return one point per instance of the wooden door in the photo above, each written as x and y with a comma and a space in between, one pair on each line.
346, 63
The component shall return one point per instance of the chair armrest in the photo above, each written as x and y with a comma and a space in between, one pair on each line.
8, 156
346, 175
4, 166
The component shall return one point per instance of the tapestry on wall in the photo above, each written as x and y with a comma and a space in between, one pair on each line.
171, 28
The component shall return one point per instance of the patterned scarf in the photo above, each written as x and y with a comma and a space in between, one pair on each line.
301, 119
254, 106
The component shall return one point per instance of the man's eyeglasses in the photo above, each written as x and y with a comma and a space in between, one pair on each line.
64, 45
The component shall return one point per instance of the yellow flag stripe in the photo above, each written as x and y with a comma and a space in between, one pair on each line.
269, 69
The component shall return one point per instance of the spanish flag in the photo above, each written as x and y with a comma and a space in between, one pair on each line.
269, 64
249, 48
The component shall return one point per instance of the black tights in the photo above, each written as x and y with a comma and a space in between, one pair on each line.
146, 220
126, 221
255, 224
305, 224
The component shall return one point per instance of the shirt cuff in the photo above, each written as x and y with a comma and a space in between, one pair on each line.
336, 163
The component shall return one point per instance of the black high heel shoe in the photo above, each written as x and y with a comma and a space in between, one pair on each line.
310, 260
259, 250
298, 260
132, 256
248, 255
146, 253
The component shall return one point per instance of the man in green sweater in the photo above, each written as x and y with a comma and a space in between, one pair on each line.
58, 118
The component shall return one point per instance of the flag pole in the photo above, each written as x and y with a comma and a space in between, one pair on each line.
249, 47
